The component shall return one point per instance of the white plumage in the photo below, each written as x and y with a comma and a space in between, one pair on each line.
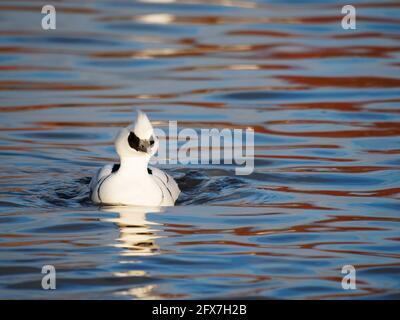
132, 181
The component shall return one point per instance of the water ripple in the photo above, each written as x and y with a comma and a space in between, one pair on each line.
324, 104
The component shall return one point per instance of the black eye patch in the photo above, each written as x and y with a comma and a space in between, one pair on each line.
139, 145
133, 141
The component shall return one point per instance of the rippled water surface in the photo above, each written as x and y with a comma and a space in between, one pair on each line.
324, 103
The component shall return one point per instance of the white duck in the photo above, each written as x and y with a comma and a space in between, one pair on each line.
132, 181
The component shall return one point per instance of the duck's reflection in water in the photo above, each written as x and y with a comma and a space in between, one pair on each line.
136, 234
137, 237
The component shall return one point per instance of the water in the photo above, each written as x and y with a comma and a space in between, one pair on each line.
324, 103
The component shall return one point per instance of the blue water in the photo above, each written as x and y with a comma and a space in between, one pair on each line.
324, 104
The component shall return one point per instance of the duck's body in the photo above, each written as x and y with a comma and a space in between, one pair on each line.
132, 182
153, 187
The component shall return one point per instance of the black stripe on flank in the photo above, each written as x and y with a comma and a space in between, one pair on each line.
162, 192
166, 175
114, 169
98, 188
165, 187
101, 183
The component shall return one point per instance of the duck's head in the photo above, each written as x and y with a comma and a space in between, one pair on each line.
138, 139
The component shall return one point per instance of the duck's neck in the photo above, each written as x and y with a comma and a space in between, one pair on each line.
134, 166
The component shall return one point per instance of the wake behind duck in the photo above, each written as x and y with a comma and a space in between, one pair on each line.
132, 181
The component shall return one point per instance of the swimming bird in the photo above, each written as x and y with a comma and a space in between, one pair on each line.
132, 181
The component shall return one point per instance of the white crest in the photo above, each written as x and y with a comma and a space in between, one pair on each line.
142, 126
